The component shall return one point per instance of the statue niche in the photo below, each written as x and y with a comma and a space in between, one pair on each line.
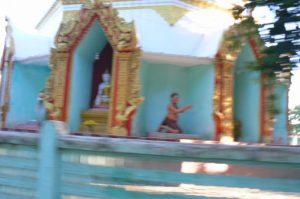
94, 120
103, 95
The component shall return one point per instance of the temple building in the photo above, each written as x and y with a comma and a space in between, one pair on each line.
109, 67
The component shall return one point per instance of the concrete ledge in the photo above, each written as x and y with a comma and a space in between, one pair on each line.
15, 137
279, 154
175, 136
194, 151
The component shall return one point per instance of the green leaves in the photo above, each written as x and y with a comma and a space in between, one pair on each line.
294, 118
281, 42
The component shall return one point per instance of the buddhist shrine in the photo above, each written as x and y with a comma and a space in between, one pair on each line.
109, 67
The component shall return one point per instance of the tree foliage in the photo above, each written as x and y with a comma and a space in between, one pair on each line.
294, 118
280, 37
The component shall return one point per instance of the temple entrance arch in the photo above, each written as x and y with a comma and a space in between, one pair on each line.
88, 67
125, 92
246, 95
229, 90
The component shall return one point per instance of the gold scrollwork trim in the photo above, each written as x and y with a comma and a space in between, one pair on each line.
123, 39
224, 78
121, 35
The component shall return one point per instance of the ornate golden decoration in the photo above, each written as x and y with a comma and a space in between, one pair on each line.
128, 80
169, 13
224, 77
233, 41
121, 36
9, 52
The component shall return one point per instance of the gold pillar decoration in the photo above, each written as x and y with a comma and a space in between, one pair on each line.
128, 86
126, 58
55, 87
269, 118
9, 51
233, 41
225, 60
227, 96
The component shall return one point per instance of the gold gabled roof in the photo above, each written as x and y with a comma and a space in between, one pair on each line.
171, 13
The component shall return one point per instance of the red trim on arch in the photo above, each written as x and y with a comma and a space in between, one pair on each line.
263, 131
67, 87
115, 91
217, 119
69, 67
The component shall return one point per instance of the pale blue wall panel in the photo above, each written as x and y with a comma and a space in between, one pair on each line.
26, 82
82, 69
280, 134
247, 96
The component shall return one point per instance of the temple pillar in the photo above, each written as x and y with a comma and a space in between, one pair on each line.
217, 100
126, 88
268, 116
5, 104
227, 101
223, 99
57, 85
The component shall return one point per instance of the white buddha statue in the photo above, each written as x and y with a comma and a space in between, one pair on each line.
103, 95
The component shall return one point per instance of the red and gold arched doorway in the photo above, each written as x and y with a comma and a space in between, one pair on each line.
126, 59
225, 62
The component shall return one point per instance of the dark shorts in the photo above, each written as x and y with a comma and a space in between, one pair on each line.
171, 124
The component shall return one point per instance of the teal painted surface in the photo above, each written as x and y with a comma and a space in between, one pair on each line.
158, 82
280, 133
200, 92
48, 184
247, 96
76, 172
138, 126
195, 86
26, 82
18, 166
82, 70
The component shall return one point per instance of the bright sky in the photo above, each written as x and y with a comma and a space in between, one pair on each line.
26, 14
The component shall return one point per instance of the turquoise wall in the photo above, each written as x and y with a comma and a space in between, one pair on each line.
201, 90
138, 125
82, 70
247, 96
280, 133
195, 86
158, 82
27, 81
52, 165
